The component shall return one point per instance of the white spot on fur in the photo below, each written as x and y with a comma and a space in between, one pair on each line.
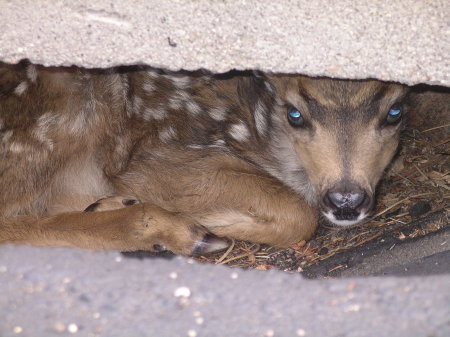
20, 89
218, 113
86, 76
152, 74
158, 113
196, 147
77, 125
32, 73
123, 92
193, 107
178, 99
175, 103
16, 147
269, 87
44, 123
181, 82
116, 84
239, 132
7, 136
137, 104
218, 143
167, 134
261, 118
148, 87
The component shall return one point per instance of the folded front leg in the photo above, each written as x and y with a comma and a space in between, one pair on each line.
259, 209
136, 227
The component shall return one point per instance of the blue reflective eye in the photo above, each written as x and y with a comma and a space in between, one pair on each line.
394, 114
295, 117
295, 114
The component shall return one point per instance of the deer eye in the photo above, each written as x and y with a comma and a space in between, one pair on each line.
295, 117
394, 114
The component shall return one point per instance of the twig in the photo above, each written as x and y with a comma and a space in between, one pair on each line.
421, 172
358, 235
405, 173
227, 252
368, 239
436, 127
336, 268
405, 178
399, 202
241, 255
443, 142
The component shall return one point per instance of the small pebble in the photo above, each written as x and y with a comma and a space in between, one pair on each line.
419, 208
301, 332
118, 259
59, 327
234, 275
269, 333
3, 269
192, 333
352, 308
199, 320
182, 292
72, 328
173, 275
17, 329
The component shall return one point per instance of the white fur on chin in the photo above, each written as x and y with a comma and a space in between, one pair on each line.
344, 223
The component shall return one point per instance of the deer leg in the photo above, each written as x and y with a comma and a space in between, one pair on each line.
259, 209
227, 196
136, 227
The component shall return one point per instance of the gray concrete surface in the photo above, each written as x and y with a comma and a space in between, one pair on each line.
62, 292
406, 41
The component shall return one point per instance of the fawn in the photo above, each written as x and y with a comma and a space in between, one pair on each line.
136, 158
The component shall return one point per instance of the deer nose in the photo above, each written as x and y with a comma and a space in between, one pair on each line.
346, 203
349, 200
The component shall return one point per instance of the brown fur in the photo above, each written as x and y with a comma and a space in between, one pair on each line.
161, 159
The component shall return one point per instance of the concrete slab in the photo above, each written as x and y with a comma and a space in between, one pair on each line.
406, 41
61, 292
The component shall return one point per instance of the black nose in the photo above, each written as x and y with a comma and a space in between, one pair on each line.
346, 201
349, 200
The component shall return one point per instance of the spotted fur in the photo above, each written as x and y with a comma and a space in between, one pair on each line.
196, 150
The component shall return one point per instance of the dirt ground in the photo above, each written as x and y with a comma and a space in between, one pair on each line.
413, 197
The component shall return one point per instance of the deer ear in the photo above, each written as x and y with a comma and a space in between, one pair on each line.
11, 75
264, 79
